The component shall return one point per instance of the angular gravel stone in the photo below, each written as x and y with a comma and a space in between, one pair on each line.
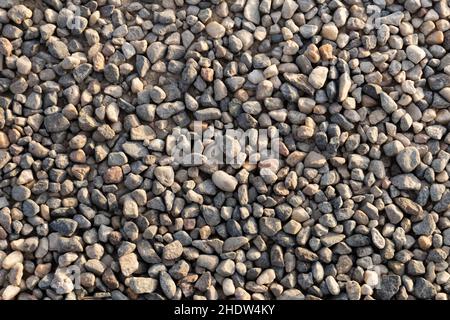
128, 264
141, 285
317, 77
65, 227
423, 289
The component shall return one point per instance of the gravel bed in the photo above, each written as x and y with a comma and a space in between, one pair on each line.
350, 199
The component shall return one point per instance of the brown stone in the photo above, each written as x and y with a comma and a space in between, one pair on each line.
113, 175
78, 156
436, 37
79, 171
312, 53
4, 140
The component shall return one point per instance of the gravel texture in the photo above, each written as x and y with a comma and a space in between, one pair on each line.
94, 205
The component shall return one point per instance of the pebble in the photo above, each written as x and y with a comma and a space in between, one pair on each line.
56, 122
128, 264
423, 289
58, 49
6, 47
167, 284
425, 227
224, 181
234, 243
387, 102
408, 159
251, 11
406, 182
388, 286
165, 175
20, 193
172, 250
317, 77
23, 65
332, 286
12, 260
377, 239
65, 227
315, 160
353, 290
10, 292
61, 283
269, 226
415, 54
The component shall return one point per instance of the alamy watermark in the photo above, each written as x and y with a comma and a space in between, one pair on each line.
207, 145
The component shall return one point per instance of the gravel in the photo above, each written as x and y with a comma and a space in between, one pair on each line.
346, 196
